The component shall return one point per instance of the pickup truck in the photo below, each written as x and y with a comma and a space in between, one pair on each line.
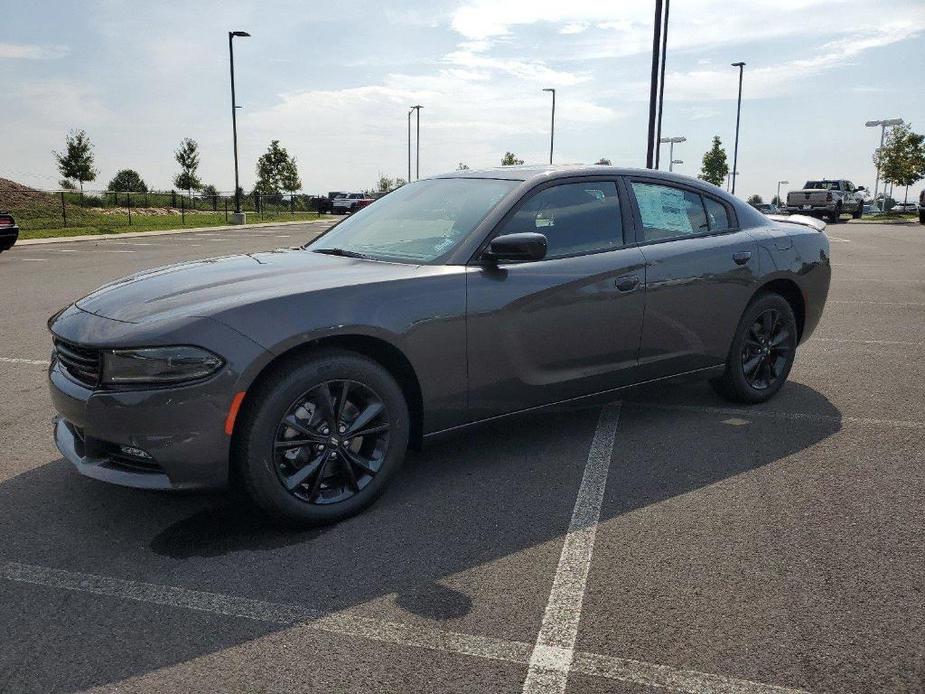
827, 198
349, 202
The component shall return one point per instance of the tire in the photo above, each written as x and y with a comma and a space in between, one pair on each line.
921, 216
741, 382
858, 213
303, 485
835, 217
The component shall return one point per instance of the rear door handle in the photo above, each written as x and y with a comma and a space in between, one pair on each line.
742, 257
626, 283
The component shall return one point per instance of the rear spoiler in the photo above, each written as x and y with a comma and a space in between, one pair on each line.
801, 219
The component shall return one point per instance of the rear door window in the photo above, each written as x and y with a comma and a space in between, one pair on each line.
717, 215
667, 212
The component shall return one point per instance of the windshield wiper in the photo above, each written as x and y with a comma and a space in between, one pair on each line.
341, 252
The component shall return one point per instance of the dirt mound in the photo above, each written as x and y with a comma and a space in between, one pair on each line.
13, 194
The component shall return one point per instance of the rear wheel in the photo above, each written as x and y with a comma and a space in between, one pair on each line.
321, 439
858, 213
921, 216
762, 351
835, 217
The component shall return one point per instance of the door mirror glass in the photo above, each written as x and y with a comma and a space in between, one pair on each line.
516, 248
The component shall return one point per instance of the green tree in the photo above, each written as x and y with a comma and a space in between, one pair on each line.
511, 160
462, 167
902, 158
755, 199
208, 191
385, 184
187, 157
277, 171
399, 182
777, 201
714, 167
127, 181
76, 163
66, 184
603, 161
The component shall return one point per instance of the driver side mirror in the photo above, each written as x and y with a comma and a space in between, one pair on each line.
515, 248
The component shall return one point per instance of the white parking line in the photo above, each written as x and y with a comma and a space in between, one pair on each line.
35, 260
345, 624
552, 655
117, 251
876, 303
838, 340
17, 360
773, 414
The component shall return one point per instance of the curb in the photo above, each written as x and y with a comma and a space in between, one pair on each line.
163, 232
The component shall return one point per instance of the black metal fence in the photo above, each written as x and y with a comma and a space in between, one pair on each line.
36, 209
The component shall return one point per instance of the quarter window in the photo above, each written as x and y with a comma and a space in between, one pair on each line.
575, 218
716, 214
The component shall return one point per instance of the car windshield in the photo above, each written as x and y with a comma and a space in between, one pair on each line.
421, 222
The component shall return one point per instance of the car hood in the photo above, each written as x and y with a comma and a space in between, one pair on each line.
211, 286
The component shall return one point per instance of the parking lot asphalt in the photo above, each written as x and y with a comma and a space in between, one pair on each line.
667, 541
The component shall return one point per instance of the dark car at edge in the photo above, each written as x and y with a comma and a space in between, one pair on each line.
305, 374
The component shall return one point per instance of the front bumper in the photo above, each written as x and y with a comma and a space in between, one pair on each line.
181, 429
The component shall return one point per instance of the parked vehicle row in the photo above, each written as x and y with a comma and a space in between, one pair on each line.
306, 373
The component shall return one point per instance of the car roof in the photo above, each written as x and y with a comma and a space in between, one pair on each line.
529, 172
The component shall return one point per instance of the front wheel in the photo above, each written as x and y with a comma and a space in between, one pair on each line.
322, 438
762, 351
858, 213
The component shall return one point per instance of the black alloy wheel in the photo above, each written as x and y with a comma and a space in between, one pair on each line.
766, 350
331, 442
762, 351
320, 436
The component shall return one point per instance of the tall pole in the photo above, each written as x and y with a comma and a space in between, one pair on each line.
670, 155
653, 85
234, 118
552, 124
735, 152
417, 146
877, 180
409, 144
661, 83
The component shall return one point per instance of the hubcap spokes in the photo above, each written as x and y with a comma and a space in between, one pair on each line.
766, 350
331, 442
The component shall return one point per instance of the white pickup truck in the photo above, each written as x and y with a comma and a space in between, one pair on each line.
349, 202
827, 198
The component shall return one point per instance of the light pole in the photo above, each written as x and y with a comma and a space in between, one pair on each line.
735, 151
410, 111
238, 217
417, 145
883, 124
786, 183
552, 124
671, 142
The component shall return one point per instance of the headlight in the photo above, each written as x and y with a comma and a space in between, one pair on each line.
158, 365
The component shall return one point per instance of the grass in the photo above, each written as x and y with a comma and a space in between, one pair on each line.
888, 218
98, 223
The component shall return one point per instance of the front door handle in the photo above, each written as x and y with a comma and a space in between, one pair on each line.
742, 257
626, 283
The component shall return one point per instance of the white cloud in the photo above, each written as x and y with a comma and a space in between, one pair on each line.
28, 51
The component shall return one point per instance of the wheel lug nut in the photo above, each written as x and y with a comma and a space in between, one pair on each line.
342, 428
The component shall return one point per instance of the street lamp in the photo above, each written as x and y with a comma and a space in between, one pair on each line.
883, 124
418, 143
671, 141
552, 125
786, 183
238, 217
735, 154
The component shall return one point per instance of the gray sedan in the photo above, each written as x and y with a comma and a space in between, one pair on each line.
305, 374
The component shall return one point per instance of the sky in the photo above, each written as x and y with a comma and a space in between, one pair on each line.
333, 82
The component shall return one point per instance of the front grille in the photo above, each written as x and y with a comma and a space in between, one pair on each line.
80, 363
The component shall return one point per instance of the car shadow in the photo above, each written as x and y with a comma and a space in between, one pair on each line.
461, 503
